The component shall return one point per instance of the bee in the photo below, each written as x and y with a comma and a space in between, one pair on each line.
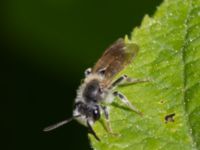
99, 87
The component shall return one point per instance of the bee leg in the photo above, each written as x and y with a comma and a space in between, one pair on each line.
87, 72
124, 80
108, 125
106, 113
118, 81
129, 80
127, 102
91, 130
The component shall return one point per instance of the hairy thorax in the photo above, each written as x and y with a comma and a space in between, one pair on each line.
92, 90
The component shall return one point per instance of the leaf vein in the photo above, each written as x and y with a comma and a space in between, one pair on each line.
184, 75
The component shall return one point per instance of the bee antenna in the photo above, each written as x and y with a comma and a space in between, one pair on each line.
54, 126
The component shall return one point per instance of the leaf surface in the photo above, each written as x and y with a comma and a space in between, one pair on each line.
170, 56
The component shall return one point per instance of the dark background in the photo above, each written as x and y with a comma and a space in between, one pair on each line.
47, 45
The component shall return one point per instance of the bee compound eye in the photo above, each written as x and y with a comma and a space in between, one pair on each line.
96, 114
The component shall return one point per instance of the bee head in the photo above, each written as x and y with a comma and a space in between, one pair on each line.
90, 111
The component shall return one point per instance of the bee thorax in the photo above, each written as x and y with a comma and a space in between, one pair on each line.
92, 92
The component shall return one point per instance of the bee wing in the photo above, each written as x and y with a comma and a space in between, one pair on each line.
115, 58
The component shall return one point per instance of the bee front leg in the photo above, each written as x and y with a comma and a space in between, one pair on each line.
127, 102
108, 125
91, 130
106, 113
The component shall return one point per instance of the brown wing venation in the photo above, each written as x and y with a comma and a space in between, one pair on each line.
115, 58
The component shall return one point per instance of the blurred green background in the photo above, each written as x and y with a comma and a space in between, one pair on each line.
47, 45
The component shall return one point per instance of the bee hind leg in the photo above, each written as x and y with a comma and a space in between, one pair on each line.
125, 80
127, 102
129, 80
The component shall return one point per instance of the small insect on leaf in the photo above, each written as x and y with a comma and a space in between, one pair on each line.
98, 84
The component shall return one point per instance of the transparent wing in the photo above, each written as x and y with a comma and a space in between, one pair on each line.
115, 58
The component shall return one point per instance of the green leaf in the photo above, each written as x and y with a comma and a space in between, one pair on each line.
170, 56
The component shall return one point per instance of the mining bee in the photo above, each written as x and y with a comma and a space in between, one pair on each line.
98, 87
